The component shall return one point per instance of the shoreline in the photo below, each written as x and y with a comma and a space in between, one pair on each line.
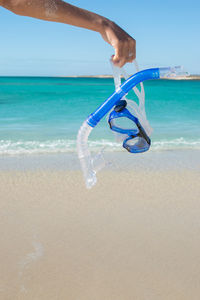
115, 161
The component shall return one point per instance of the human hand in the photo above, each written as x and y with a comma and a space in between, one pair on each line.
122, 42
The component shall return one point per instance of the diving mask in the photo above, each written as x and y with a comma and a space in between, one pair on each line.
135, 139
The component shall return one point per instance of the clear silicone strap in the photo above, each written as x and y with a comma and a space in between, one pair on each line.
117, 72
138, 110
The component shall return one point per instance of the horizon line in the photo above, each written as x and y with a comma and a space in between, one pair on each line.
189, 77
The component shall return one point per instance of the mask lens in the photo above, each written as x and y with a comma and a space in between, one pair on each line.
136, 145
124, 125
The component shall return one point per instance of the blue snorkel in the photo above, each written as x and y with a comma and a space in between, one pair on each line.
135, 139
123, 90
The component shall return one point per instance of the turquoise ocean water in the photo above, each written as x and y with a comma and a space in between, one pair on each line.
43, 115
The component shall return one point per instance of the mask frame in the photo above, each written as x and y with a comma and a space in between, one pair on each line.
143, 143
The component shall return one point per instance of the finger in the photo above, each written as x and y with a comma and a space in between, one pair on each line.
118, 54
131, 55
126, 56
130, 58
122, 62
132, 49
124, 52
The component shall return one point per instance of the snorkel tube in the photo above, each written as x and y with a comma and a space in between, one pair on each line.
87, 163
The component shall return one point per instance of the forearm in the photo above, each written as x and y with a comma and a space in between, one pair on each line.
56, 11
60, 11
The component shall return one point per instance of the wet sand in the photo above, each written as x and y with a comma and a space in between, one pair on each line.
135, 235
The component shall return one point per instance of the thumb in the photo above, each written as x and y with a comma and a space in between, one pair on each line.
115, 59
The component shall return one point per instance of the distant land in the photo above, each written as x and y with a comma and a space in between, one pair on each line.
189, 77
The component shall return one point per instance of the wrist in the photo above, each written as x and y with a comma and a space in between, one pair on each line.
104, 24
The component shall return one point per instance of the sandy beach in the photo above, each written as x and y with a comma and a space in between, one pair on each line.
135, 235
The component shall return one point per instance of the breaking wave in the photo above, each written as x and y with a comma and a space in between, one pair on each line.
8, 147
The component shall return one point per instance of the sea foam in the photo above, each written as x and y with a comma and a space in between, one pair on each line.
20, 147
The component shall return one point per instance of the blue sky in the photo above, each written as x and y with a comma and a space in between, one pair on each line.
167, 34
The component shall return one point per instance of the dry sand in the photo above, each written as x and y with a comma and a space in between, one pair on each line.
133, 236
